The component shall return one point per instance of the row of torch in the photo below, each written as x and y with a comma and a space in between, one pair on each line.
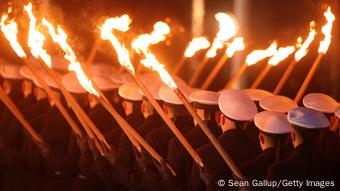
226, 36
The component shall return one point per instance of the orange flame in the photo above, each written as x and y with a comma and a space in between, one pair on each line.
195, 45
61, 39
299, 54
141, 45
327, 30
298, 42
281, 54
10, 30
258, 55
227, 30
36, 39
236, 45
121, 24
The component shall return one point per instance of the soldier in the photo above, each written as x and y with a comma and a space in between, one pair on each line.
256, 95
274, 134
236, 108
330, 142
206, 104
307, 161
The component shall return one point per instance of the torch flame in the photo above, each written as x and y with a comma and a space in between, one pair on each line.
236, 45
142, 44
281, 54
10, 30
258, 55
195, 45
298, 42
304, 47
121, 24
61, 39
36, 39
227, 30
326, 30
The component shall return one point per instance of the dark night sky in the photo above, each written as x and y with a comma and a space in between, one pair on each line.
281, 20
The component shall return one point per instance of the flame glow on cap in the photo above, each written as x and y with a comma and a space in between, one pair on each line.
258, 55
304, 47
327, 30
227, 30
36, 39
142, 44
195, 45
121, 24
61, 39
10, 30
236, 45
281, 54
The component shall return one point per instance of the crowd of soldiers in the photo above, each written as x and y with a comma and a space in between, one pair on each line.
268, 137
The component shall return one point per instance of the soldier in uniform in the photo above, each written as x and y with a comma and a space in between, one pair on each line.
307, 161
206, 104
236, 108
329, 140
274, 134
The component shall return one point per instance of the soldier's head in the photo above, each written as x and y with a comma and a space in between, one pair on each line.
274, 129
206, 105
172, 105
256, 95
307, 124
236, 107
12, 79
132, 99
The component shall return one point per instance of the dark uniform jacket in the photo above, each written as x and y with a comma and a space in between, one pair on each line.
237, 144
179, 158
306, 163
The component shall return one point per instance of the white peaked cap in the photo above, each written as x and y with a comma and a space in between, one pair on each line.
204, 97
278, 103
121, 78
169, 96
129, 92
26, 72
11, 71
320, 102
48, 79
104, 84
237, 105
101, 69
153, 89
337, 112
72, 84
59, 63
272, 122
257, 94
153, 83
308, 118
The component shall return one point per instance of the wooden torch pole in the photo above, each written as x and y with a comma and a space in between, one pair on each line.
261, 76
198, 71
285, 77
236, 76
179, 65
215, 71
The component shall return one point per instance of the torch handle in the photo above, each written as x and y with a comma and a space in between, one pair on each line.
285, 77
261, 76
16, 112
52, 95
168, 121
215, 71
236, 76
198, 71
210, 135
179, 65
308, 78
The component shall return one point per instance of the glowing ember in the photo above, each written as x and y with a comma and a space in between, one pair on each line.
326, 30
121, 24
304, 47
236, 45
195, 45
141, 45
10, 30
36, 39
61, 39
258, 55
281, 54
227, 30
298, 42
